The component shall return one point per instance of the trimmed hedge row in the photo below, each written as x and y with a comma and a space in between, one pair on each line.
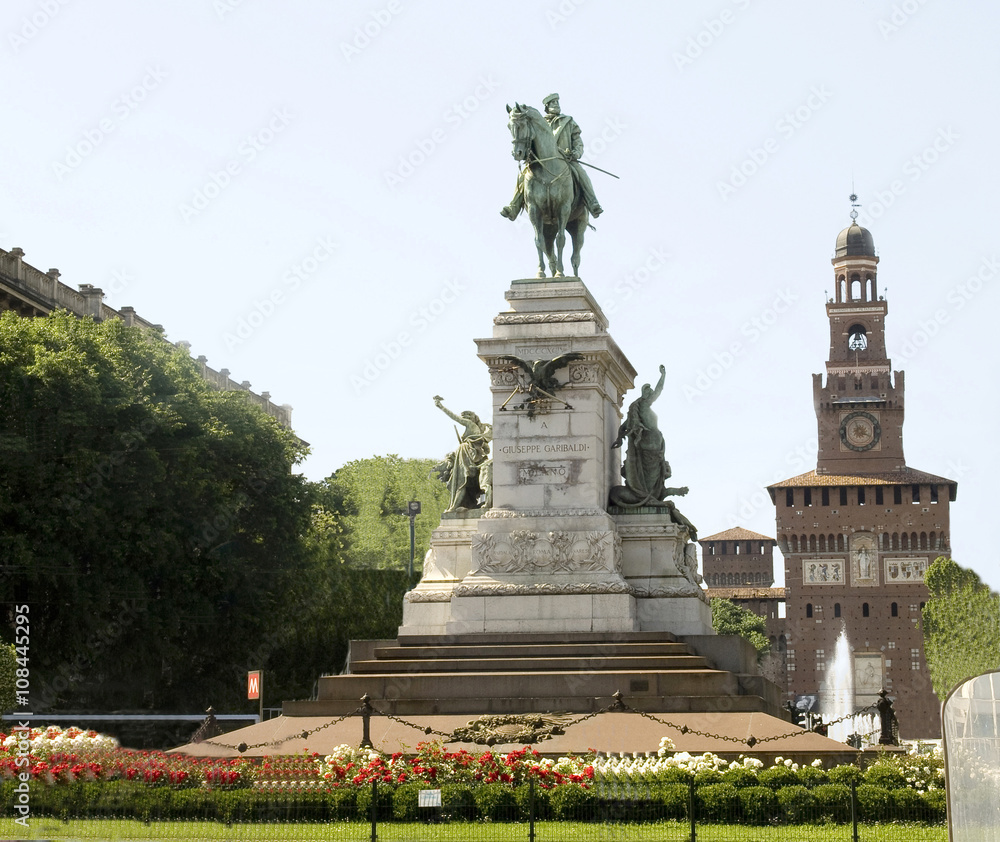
721, 802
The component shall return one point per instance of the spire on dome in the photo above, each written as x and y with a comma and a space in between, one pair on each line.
855, 241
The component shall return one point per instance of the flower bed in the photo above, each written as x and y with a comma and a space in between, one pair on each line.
83, 773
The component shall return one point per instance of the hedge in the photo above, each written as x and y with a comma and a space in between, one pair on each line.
719, 802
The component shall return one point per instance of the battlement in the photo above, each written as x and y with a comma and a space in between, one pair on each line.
30, 292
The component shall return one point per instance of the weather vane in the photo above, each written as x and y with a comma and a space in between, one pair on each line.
854, 206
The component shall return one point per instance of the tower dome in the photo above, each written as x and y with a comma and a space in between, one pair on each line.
855, 241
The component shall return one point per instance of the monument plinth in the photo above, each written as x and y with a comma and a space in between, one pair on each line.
549, 556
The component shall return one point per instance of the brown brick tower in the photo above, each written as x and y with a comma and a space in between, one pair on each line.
859, 532
738, 565
738, 558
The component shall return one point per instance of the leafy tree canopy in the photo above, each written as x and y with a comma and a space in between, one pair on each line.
153, 525
729, 618
359, 543
961, 626
360, 510
8, 677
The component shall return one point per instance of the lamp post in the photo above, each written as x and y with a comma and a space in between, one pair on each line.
412, 510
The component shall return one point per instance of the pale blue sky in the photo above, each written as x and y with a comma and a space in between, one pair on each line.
187, 157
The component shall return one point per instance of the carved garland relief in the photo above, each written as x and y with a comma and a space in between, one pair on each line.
526, 551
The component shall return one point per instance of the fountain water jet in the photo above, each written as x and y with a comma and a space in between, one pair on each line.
837, 695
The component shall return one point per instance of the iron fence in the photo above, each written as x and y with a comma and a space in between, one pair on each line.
609, 809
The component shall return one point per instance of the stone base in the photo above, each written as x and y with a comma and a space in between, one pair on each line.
561, 572
524, 607
427, 608
660, 566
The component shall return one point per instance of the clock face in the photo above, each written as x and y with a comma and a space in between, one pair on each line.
860, 431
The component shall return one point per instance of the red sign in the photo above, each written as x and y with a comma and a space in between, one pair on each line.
253, 684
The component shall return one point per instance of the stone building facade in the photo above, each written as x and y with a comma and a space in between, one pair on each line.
30, 292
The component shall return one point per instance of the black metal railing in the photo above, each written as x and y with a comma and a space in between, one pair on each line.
650, 807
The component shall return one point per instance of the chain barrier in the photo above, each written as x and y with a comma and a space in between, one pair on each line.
243, 748
881, 709
425, 728
750, 741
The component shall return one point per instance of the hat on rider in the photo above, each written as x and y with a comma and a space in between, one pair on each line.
550, 98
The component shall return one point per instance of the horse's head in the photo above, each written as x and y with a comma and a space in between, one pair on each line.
520, 129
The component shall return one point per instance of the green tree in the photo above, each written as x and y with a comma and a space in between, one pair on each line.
729, 618
8, 677
961, 622
364, 500
154, 525
359, 546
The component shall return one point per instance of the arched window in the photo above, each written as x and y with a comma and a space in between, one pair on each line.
809, 609
856, 287
864, 610
812, 543
857, 338
923, 540
895, 609
836, 609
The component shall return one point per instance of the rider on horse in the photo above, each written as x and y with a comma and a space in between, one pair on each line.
570, 143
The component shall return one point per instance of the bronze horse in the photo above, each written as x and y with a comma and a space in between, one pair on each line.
551, 197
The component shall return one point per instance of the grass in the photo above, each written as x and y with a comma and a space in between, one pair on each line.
49, 828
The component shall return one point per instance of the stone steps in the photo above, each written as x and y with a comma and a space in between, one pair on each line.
578, 663
480, 674
406, 707
537, 650
531, 691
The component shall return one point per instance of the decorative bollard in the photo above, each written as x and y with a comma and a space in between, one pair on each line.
366, 721
888, 720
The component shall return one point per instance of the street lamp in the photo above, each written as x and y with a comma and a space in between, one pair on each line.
412, 510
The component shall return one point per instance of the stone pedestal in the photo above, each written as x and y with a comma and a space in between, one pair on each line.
548, 557
544, 571
427, 608
660, 565
556, 457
